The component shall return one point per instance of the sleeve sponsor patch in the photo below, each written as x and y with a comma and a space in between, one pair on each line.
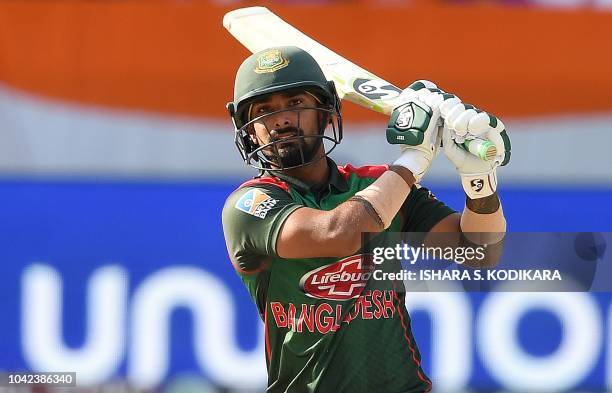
256, 203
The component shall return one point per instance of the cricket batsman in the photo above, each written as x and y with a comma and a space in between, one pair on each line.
294, 232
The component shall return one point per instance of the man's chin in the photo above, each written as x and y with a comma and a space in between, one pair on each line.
290, 155
289, 159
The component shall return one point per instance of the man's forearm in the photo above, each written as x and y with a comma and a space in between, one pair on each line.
387, 194
408, 178
370, 210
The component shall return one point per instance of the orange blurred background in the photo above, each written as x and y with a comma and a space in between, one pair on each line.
175, 57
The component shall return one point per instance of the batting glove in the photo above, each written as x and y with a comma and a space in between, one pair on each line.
463, 122
415, 124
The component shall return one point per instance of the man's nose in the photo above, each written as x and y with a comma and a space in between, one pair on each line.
284, 119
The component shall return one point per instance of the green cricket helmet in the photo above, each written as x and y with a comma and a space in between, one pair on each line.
287, 70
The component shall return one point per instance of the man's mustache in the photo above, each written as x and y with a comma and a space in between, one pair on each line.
284, 133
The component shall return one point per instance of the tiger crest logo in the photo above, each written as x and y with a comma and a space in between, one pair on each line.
271, 61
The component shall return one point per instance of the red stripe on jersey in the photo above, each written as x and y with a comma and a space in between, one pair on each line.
410, 345
372, 171
267, 338
266, 180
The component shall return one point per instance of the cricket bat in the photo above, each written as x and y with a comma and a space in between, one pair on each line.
257, 28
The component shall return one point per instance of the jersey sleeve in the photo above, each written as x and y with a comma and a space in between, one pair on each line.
252, 218
422, 211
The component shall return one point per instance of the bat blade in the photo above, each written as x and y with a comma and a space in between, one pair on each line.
258, 28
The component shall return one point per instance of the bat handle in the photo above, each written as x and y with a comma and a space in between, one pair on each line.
483, 149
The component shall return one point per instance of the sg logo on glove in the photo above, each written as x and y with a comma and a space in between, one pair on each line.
405, 117
408, 124
477, 184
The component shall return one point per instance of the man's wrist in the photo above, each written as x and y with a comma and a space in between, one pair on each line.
405, 173
415, 160
487, 205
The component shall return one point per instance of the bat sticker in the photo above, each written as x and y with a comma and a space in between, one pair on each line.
375, 89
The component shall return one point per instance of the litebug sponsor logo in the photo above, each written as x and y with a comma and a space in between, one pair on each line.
341, 280
256, 203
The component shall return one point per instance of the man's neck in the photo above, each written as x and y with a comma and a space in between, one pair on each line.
314, 174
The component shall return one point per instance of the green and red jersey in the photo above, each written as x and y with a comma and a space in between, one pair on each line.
327, 329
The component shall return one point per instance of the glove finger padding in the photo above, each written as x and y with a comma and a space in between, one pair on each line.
468, 123
497, 135
461, 121
479, 124
448, 104
421, 84
506, 141
451, 150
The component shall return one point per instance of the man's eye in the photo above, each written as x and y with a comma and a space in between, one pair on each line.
295, 101
262, 109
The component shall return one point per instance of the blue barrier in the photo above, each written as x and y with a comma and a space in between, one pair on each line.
140, 236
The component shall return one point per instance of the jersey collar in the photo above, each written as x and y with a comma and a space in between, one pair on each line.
335, 180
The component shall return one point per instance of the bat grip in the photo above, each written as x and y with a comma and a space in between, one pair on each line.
483, 149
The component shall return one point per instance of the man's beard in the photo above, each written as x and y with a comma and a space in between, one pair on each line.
296, 151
